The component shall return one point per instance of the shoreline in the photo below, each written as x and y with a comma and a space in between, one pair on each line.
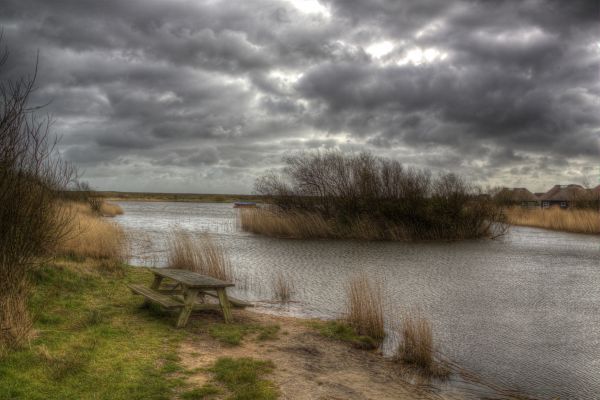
97, 325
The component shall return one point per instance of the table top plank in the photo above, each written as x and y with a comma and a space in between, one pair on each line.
190, 279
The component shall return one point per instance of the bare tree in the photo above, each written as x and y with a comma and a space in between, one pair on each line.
32, 216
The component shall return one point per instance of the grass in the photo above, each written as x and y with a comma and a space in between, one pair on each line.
233, 334
201, 254
417, 346
205, 392
92, 339
338, 330
572, 220
364, 307
92, 236
244, 378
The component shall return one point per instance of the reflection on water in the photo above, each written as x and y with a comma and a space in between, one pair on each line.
522, 311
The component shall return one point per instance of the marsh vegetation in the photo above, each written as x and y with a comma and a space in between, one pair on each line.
575, 220
335, 195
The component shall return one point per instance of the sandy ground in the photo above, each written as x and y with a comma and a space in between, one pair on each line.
307, 365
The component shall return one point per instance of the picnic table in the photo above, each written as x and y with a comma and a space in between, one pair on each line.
188, 288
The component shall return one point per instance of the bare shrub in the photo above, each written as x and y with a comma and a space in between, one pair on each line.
32, 221
365, 307
368, 197
283, 287
201, 254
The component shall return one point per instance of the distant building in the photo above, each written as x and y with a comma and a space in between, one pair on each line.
563, 196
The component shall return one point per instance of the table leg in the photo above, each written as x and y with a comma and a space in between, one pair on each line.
189, 297
225, 306
155, 285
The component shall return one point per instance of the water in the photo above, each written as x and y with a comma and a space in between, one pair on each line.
522, 311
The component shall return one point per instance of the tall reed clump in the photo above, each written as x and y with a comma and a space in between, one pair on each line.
365, 307
282, 287
336, 195
199, 254
572, 220
92, 236
417, 346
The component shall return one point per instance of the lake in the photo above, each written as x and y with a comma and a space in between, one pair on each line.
522, 311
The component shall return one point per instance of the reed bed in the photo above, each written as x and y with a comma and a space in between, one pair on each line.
574, 220
199, 254
365, 307
92, 236
293, 225
311, 225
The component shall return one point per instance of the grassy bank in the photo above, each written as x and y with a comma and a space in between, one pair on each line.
91, 340
577, 221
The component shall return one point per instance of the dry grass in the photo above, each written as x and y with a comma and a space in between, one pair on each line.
365, 307
292, 225
110, 209
578, 221
92, 236
417, 346
296, 225
199, 254
283, 287
303, 225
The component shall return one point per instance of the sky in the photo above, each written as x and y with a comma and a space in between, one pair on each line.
205, 96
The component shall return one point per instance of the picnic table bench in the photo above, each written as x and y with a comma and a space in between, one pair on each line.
184, 293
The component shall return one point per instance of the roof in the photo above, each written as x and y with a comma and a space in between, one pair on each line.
516, 194
564, 193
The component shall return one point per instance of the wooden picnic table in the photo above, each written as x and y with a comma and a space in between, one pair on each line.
188, 284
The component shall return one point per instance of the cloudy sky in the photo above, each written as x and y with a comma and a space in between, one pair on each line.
204, 96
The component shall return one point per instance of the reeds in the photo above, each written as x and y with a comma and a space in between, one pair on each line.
199, 254
365, 307
92, 236
417, 345
294, 225
110, 209
283, 287
574, 220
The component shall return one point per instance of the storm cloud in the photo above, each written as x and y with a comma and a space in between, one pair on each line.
204, 96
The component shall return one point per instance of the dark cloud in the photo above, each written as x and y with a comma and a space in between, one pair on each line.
205, 95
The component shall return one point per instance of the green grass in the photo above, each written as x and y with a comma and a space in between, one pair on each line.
205, 392
233, 334
339, 330
93, 340
244, 378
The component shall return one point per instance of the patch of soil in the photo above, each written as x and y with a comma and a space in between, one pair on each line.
308, 366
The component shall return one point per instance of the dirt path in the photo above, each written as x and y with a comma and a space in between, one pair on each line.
307, 365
